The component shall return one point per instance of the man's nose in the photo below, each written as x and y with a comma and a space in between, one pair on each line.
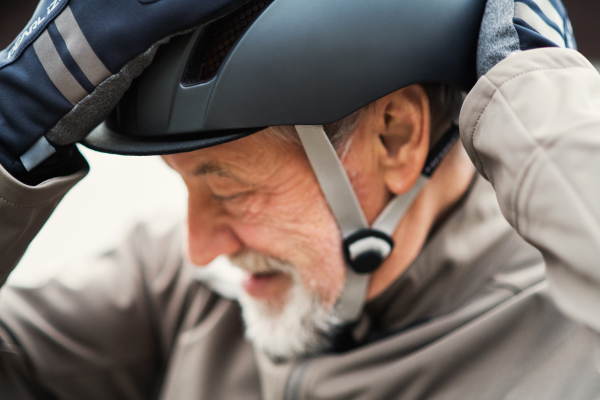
209, 234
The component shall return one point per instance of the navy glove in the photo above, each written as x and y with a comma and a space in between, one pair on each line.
510, 26
75, 59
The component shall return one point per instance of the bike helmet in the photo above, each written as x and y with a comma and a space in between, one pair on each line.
305, 63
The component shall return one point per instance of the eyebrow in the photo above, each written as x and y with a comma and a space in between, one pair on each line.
211, 168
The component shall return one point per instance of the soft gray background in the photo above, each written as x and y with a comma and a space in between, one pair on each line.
95, 215
119, 191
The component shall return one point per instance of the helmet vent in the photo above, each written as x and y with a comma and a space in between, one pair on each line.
217, 40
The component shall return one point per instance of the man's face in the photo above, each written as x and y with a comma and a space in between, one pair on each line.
258, 201
259, 194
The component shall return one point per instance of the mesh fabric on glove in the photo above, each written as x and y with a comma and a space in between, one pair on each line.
516, 25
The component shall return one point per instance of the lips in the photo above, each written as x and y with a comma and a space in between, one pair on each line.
267, 285
265, 274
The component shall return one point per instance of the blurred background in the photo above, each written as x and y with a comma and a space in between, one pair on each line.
119, 191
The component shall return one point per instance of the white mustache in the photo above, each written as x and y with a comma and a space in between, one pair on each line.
259, 263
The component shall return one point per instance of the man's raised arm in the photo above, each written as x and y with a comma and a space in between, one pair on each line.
61, 77
531, 126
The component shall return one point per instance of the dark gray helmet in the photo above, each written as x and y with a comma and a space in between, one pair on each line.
304, 63
289, 62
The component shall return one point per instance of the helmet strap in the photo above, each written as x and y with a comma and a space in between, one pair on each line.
365, 248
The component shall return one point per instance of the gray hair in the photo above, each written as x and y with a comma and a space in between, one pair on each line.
445, 102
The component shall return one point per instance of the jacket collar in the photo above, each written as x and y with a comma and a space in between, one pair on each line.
454, 269
459, 258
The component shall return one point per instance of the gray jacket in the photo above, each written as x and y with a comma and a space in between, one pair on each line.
472, 317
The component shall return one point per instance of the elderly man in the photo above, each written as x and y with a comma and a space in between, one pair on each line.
438, 298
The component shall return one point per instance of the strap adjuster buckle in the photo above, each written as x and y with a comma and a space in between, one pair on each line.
367, 249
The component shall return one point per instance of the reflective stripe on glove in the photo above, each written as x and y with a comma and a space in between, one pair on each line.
516, 25
72, 63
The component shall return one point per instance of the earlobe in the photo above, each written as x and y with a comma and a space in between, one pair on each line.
404, 137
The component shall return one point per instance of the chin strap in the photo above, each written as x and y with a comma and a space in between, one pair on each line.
365, 248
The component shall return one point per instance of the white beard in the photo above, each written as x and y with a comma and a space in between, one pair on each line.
304, 326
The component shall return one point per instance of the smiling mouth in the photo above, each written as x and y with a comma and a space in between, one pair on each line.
266, 277
271, 285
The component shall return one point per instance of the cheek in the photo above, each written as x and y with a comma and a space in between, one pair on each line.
322, 262
369, 186
300, 229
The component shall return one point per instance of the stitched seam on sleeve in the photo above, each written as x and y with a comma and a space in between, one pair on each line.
524, 173
541, 69
475, 128
496, 91
17, 205
549, 160
539, 150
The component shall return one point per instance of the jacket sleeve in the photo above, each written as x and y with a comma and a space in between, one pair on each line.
532, 127
25, 209
101, 329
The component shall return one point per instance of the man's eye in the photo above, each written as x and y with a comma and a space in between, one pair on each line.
230, 198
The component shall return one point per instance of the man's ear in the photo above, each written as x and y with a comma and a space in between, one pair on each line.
404, 124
